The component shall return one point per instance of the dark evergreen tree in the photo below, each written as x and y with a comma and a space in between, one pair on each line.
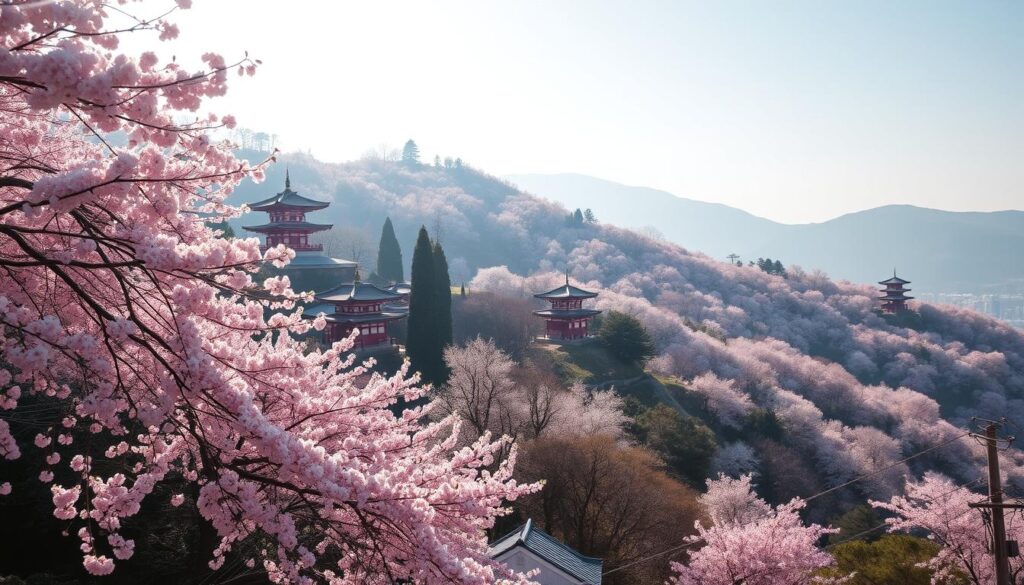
626, 337
589, 216
462, 290
389, 255
443, 284
437, 160
421, 338
685, 443
577, 216
777, 268
411, 154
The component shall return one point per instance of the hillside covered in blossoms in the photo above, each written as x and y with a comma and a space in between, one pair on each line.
852, 388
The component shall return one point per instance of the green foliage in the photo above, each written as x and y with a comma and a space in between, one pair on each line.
890, 560
685, 443
421, 343
858, 521
589, 362
771, 266
430, 310
626, 338
764, 423
588, 216
443, 284
389, 255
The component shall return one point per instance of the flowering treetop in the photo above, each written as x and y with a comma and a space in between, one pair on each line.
124, 310
751, 542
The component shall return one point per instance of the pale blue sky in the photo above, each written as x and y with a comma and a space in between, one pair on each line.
796, 111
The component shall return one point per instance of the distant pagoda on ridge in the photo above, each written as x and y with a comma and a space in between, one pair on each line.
566, 319
894, 299
310, 269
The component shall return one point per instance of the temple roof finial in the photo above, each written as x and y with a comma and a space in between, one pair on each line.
894, 272
287, 179
566, 277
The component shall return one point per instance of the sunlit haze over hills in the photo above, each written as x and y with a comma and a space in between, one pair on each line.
793, 111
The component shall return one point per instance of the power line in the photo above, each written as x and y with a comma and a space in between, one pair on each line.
884, 524
887, 467
808, 499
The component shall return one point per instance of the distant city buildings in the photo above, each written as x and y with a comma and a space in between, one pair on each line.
1008, 307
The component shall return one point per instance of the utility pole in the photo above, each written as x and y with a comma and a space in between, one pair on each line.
995, 497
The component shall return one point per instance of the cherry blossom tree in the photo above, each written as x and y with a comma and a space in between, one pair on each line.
482, 392
939, 506
120, 307
751, 542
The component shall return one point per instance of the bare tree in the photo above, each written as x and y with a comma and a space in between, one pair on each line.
350, 242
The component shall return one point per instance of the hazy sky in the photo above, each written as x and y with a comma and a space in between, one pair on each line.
796, 111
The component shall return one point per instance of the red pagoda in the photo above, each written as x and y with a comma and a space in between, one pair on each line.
895, 297
311, 269
288, 223
566, 319
358, 305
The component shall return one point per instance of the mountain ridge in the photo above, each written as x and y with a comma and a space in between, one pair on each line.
947, 251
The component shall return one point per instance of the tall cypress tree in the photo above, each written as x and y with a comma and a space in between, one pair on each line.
443, 282
389, 255
421, 340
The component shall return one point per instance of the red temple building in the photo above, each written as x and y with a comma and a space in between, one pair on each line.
566, 319
310, 269
894, 299
358, 305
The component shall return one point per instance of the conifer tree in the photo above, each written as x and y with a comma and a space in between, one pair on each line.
411, 154
443, 284
422, 345
389, 255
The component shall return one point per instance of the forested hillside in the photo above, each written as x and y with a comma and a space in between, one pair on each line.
852, 390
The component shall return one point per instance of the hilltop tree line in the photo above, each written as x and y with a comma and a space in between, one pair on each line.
578, 218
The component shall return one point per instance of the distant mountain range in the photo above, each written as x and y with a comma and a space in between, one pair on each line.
940, 251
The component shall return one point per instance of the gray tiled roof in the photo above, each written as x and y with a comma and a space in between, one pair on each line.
356, 291
567, 291
894, 280
306, 259
567, 313
288, 198
542, 544
292, 225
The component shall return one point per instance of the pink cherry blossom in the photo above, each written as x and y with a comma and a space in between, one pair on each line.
122, 308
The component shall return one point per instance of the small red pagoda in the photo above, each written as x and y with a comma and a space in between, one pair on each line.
358, 305
566, 319
288, 223
895, 297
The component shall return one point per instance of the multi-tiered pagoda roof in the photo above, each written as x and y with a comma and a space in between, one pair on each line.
894, 296
357, 305
288, 223
566, 318
310, 269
